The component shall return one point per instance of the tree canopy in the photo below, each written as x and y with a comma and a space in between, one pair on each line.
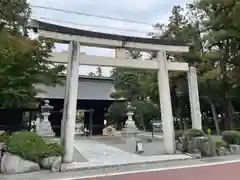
23, 61
212, 30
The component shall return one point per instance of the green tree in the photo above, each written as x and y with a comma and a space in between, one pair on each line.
222, 44
208, 75
117, 114
23, 61
179, 27
131, 85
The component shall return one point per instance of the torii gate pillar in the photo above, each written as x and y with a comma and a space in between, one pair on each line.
165, 104
70, 102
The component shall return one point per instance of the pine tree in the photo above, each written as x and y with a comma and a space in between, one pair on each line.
222, 38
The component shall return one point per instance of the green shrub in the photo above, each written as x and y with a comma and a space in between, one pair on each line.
3, 137
30, 146
220, 143
55, 149
231, 137
191, 133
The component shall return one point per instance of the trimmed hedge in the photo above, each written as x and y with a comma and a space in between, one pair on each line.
221, 143
191, 133
231, 137
32, 147
55, 149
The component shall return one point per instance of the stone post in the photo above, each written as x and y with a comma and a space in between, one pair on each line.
70, 102
194, 99
165, 104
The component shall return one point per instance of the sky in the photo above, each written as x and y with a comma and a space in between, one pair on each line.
150, 11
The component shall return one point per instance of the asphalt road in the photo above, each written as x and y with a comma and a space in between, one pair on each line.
215, 172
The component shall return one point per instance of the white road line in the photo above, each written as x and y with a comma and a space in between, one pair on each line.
149, 170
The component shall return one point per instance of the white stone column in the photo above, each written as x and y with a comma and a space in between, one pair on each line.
70, 102
194, 99
165, 104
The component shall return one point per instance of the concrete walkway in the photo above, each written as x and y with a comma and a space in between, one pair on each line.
102, 155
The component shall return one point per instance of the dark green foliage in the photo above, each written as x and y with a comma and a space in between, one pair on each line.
145, 112
4, 136
117, 114
55, 149
30, 146
190, 133
231, 137
220, 143
23, 61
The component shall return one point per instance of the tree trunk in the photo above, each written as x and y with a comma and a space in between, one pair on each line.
228, 115
180, 124
185, 124
215, 118
178, 115
143, 123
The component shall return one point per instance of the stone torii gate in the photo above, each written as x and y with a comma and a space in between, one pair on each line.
77, 38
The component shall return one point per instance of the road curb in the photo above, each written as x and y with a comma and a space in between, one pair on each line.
194, 156
75, 166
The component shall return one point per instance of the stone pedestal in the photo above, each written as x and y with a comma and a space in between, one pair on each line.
45, 128
130, 130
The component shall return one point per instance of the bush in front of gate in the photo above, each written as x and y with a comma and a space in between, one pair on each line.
32, 147
3, 137
231, 137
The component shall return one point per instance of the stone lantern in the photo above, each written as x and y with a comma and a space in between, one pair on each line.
131, 131
45, 128
130, 128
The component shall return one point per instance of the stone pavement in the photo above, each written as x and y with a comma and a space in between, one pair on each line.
102, 155
151, 148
